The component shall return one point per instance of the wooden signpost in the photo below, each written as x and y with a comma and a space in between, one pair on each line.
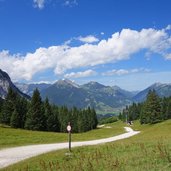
69, 135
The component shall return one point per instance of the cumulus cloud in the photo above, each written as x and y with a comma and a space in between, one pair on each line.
124, 71
88, 39
120, 46
168, 27
168, 56
80, 74
39, 3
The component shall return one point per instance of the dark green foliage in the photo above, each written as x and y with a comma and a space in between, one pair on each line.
15, 119
80, 120
164, 103
151, 112
14, 109
108, 120
51, 115
168, 109
124, 114
8, 107
35, 119
37, 115
1, 104
22, 110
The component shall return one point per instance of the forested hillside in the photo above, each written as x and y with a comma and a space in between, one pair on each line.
36, 114
153, 110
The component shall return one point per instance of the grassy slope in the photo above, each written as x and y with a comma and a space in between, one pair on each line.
149, 150
16, 137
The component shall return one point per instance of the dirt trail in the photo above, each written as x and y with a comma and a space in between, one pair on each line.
10, 156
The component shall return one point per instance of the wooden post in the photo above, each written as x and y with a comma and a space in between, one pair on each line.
69, 135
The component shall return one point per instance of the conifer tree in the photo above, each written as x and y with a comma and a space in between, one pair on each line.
168, 110
94, 116
35, 118
164, 104
8, 106
51, 116
15, 119
1, 104
151, 112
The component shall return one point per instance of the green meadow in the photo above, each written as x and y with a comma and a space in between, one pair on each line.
10, 137
150, 150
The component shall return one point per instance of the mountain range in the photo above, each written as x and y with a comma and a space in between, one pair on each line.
163, 90
105, 99
29, 88
5, 83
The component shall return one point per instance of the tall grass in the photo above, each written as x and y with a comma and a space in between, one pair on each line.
150, 150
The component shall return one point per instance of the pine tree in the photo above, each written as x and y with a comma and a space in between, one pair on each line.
168, 110
15, 119
73, 119
51, 116
23, 109
35, 118
63, 118
1, 104
8, 106
164, 104
151, 112
120, 116
94, 116
80, 122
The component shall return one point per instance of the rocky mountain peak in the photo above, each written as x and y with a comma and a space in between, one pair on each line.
67, 82
4, 75
94, 85
5, 83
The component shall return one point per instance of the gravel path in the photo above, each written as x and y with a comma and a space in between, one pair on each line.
10, 156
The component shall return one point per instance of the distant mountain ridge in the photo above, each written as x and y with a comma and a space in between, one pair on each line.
29, 88
5, 83
103, 98
163, 90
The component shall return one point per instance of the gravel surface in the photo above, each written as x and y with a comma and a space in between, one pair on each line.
10, 156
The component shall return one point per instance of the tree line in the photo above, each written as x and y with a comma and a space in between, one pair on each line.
153, 110
36, 114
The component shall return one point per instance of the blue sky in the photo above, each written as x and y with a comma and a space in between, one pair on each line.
115, 42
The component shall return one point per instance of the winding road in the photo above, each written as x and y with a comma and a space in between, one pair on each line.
10, 156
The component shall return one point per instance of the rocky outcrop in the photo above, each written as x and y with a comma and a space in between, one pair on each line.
5, 83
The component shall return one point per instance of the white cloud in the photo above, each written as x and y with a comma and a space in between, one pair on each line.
168, 27
168, 56
39, 3
120, 46
88, 39
125, 72
70, 3
80, 74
